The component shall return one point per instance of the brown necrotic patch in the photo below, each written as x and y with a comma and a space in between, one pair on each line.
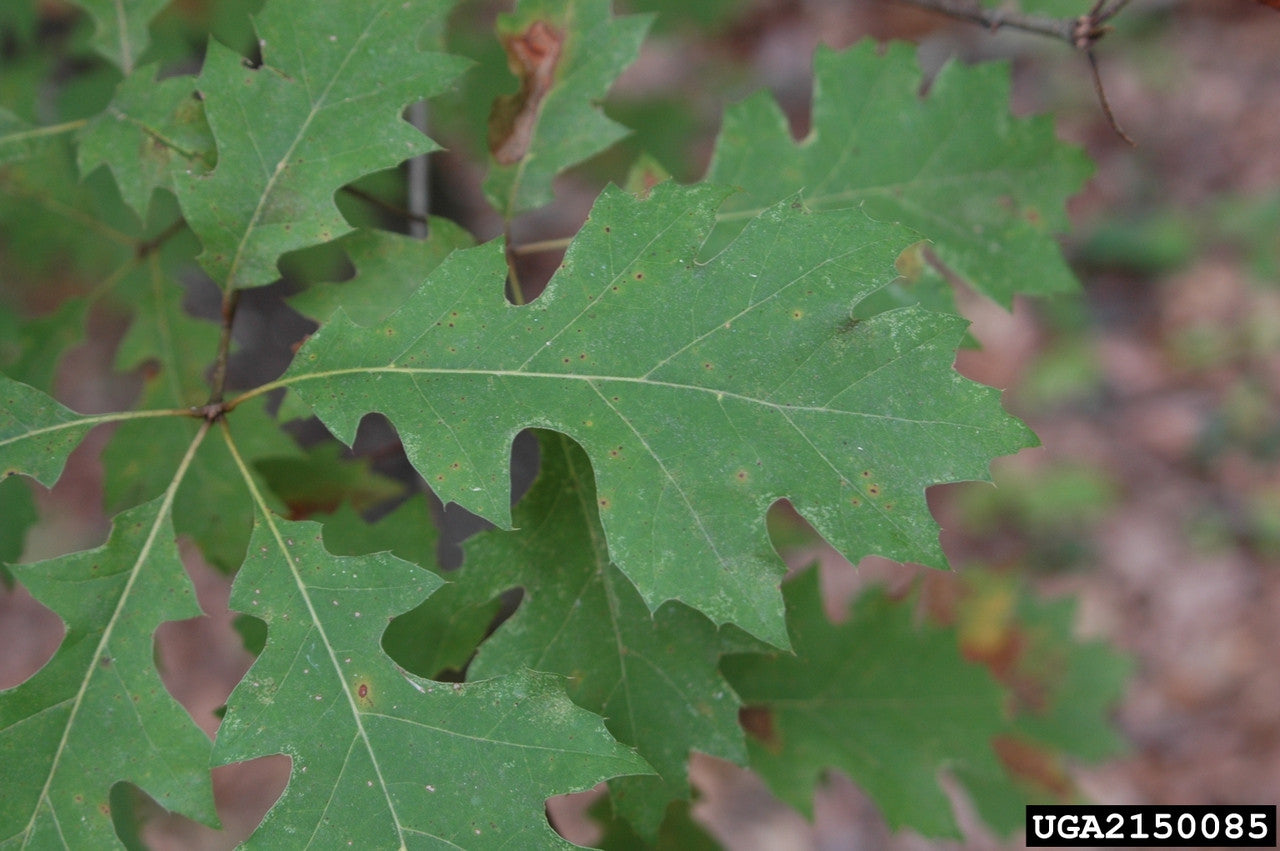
532, 56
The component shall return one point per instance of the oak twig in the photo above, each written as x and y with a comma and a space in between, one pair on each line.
1082, 32
215, 406
996, 19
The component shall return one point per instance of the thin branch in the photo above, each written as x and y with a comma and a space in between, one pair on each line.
147, 247
370, 198
1082, 32
419, 178
995, 19
215, 408
1102, 99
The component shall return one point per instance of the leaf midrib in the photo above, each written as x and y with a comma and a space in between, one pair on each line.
304, 591
885, 189
97, 419
318, 105
290, 381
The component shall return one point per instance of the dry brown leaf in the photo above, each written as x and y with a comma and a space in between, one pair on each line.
532, 56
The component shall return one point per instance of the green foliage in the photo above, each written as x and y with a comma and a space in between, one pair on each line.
985, 188
151, 130
916, 702
120, 28
98, 708
565, 55
380, 756
654, 677
778, 330
334, 82
767, 384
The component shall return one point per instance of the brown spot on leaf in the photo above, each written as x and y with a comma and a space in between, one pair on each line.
532, 56
1036, 766
758, 722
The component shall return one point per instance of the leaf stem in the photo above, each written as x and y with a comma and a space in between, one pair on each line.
544, 245
157, 242
513, 276
1082, 32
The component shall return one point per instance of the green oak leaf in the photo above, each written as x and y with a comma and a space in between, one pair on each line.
679, 831
885, 700
652, 676
211, 506
67, 227
389, 267
381, 758
321, 478
1077, 684
31, 349
408, 532
173, 350
98, 712
151, 129
985, 188
17, 515
566, 54
702, 392
442, 632
324, 110
120, 32
36, 433
1062, 692
176, 347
